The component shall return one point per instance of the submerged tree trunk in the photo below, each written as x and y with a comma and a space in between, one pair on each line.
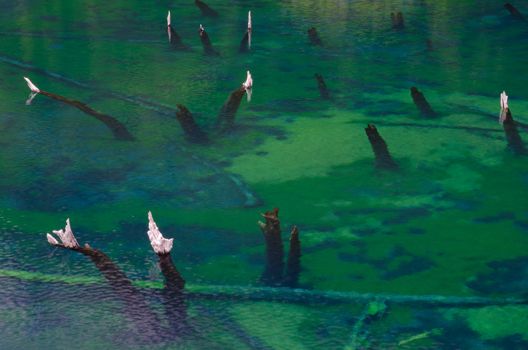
421, 103
192, 131
381, 151
271, 230
205, 9
515, 142
226, 117
293, 266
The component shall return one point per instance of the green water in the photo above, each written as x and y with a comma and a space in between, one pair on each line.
451, 222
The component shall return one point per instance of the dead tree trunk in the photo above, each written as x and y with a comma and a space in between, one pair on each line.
381, 151
205, 9
271, 230
293, 266
421, 103
514, 12
515, 142
206, 43
226, 117
314, 38
323, 90
192, 131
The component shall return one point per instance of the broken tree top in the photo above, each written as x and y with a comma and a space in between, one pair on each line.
160, 244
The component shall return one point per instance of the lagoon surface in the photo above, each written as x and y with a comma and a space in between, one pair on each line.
431, 254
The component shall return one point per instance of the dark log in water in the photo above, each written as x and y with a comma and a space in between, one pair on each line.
314, 37
206, 43
397, 20
323, 90
173, 297
205, 9
381, 151
271, 230
293, 266
515, 142
192, 131
118, 129
226, 117
514, 12
421, 103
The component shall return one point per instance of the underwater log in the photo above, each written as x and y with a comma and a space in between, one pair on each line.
421, 103
271, 230
174, 38
117, 128
192, 131
513, 138
323, 90
314, 37
226, 117
245, 44
397, 20
206, 43
514, 12
293, 265
379, 146
205, 9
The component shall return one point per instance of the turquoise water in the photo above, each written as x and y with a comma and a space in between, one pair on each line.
431, 255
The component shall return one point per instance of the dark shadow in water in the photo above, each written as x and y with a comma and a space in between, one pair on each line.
397, 20
515, 142
507, 277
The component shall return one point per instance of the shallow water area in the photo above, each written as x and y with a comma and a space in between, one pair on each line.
429, 254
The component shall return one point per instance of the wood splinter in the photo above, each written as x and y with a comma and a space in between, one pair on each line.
381, 151
117, 128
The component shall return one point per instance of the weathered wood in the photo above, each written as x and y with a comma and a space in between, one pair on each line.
271, 230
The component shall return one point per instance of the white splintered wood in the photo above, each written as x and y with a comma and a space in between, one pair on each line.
169, 26
66, 237
249, 29
160, 244
31, 97
52, 240
248, 84
31, 86
504, 106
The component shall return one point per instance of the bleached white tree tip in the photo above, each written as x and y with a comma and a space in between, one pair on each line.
66, 237
160, 244
202, 29
249, 30
504, 106
31, 86
504, 100
168, 19
248, 84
